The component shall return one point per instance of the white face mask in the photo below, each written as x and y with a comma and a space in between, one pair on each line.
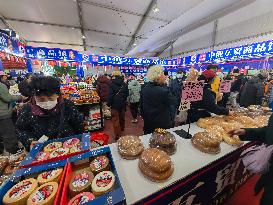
47, 105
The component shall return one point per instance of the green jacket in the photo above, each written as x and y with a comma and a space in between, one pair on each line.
264, 135
134, 91
5, 102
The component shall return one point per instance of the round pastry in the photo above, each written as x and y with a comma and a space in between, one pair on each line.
228, 126
52, 146
103, 183
247, 122
100, 163
81, 198
59, 152
73, 142
206, 142
156, 164
262, 121
50, 176
217, 131
44, 194
80, 182
41, 156
205, 122
233, 140
163, 140
20, 192
130, 147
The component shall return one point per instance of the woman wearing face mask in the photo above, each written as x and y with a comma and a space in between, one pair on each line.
47, 113
155, 101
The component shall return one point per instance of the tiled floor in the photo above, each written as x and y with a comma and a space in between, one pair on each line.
130, 128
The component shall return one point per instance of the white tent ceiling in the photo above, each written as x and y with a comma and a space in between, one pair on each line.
110, 25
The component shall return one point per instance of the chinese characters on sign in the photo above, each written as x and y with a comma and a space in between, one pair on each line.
225, 86
192, 91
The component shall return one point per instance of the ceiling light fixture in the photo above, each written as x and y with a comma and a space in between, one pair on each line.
155, 8
73, 28
41, 24
83, 37
135, 44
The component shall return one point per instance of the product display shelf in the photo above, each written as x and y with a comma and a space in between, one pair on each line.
187, 160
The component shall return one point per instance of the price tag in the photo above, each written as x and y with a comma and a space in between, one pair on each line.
225, 86
184, 105
192, 91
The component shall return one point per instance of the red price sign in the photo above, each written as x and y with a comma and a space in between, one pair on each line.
192, 91
225, 86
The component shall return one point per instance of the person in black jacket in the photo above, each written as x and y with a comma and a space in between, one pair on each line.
47, 113
252, 92
176, 90
155, 101
118, 94
263, 135
208, 104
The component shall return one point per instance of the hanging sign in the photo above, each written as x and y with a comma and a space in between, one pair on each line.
51, 53
192, 91
11, 45
225, 86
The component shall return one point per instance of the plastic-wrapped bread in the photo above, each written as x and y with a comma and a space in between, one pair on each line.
130, 147
206, 142
156, 164
163, 140
43, 195
20, 192
217, 131
232, 140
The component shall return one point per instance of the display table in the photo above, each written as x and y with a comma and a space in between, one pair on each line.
198, 178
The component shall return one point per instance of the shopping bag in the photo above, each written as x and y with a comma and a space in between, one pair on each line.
257, 158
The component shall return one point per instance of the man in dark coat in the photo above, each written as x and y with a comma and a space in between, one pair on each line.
103, 86
118, 94
156, 100
264, 135
252, 92
207, 105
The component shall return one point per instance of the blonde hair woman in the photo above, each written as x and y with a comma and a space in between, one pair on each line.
155, 101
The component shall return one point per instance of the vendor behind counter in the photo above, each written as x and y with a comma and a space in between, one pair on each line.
208, 104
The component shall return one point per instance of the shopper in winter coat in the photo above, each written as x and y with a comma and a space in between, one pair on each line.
252, 92
208, 104
103, 86
235, 90
47, 113
118, 94
263, 135
155, 101
176, 91
8, 139
134, 98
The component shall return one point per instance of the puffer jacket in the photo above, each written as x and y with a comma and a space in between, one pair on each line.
134, 91
6, 100
103, 86
118, 93
252, 93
